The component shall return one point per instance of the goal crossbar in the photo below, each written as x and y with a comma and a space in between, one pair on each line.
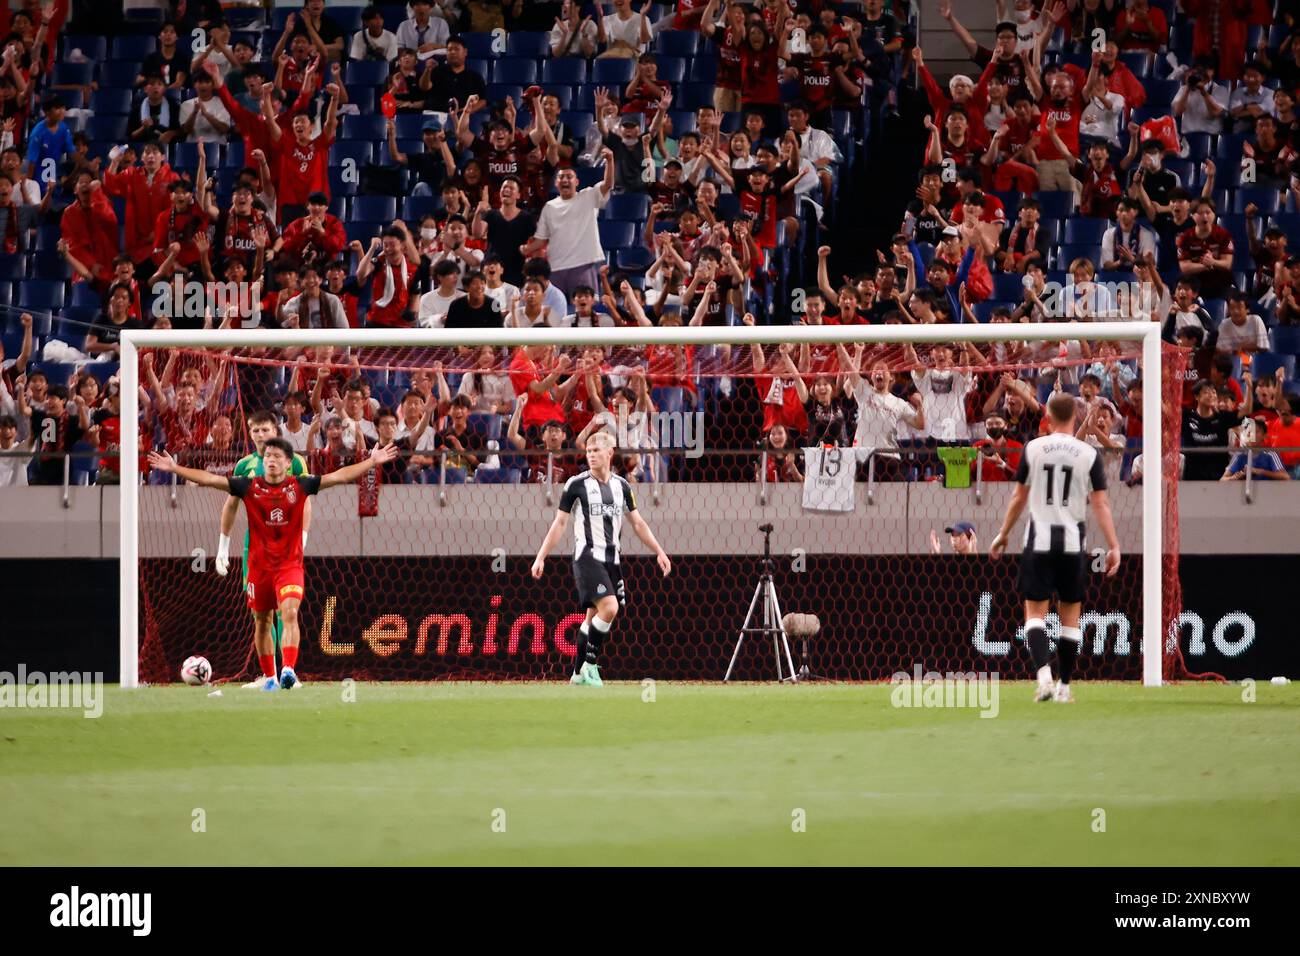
1146, 332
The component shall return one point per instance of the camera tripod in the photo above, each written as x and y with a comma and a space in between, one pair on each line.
772, 625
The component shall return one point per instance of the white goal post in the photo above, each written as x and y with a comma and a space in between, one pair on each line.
1147, 332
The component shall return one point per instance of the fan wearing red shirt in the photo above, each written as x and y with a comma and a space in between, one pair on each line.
758, 200
254, 127
526, 379
646, 89
1061, 110
1010, 152
146, 189
1142, 27
237, 227
393, 260
503, 153
178, 227
1101, 188
275, 504
760, 79
999, 458
972, 98
89, 227
812, 71
952, 147
302, 165
727, 82
1205, 251
780, 388
689, 14
317, 238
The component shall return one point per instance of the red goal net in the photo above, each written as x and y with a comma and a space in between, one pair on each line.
421, 571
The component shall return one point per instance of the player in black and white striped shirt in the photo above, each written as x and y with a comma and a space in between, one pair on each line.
1059, 476
599, 502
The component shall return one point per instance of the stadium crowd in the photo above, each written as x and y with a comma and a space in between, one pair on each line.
464, 164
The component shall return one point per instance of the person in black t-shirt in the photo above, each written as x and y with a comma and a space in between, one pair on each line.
453, 80
475, 309
1204, 426
55, 430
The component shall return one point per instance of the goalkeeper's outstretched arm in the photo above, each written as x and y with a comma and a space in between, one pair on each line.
165, 462
349, 474
552, 538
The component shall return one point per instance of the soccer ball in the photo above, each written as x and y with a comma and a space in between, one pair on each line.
196, 671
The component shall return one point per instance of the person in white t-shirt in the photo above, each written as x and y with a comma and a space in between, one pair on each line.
568, 228
292, 428
943, 394
434, 305
373, 42
625, 32
879, 412
1241, 331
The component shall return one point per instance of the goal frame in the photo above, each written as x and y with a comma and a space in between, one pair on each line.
1147, 332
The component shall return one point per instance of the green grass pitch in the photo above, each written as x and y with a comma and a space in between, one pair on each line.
492, 774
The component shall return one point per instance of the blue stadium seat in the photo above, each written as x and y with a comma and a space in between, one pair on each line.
74, 325
480, 46
58, 373
410, 126
359, 151
1085, 230
363, 99
84, 296
50, 264
503, 91
1051, 228
185, 156
370, 73
584, 99
94, 47
1140, 62
74, 74
1289, 223
1268, 200
110, 128
118, 74
372, 127
677, 43
1056, 204
613, 72
113, 102
341, 185
40, 294
1198, 147
633, 259
374, 208
578, 123
232, 156
1267, 363
562, 93
690, 96
362, 232
1286, 339
615, 234
133, 49
414, 208
1009, 286
568, 70
482, 67
703, 70
683, 122
13, 267
514, 70
627, 206
1217, 309
672, 69
731, 121
528, 43
1185, 170
1160, 93
589, 176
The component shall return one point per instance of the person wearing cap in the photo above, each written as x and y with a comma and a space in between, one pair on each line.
961, 537
146, 188
622, 136
430, 167
316, 238
453, 81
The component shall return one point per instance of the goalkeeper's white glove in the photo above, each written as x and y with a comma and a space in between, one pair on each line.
223, 555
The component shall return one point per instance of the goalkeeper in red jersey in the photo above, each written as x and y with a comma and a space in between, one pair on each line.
275, 503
